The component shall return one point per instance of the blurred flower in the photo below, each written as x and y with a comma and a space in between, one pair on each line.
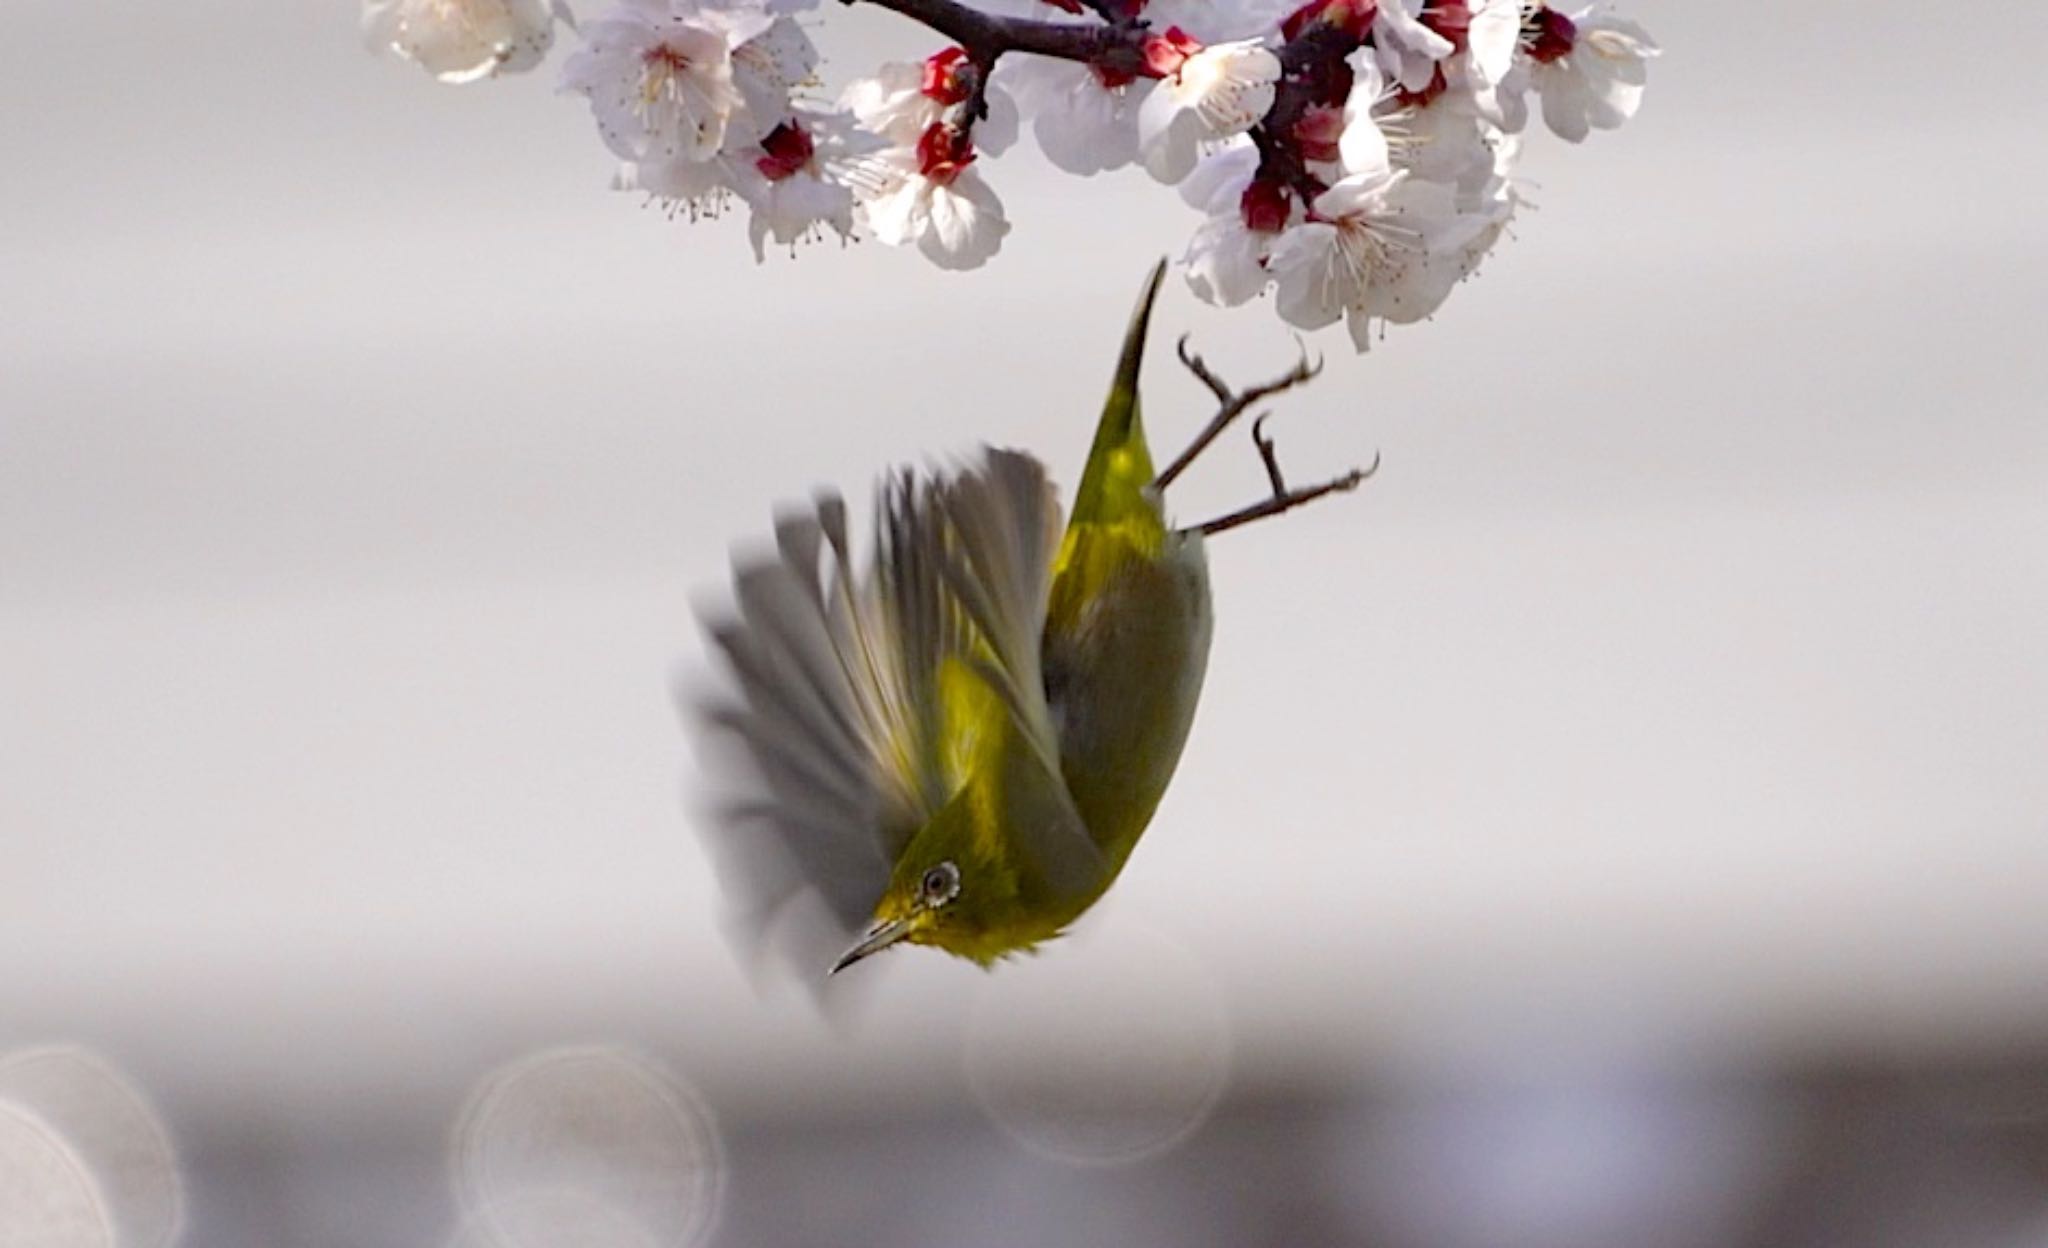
1363, 145
1407, 49
460, 41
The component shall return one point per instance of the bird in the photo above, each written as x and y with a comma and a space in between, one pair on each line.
959, 741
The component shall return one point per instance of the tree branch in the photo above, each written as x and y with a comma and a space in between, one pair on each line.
1230, 404
1308, 62
987, 36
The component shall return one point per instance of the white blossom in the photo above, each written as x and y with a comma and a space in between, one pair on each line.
1218, 21
1384, 246
795, 179
461, 41
1226, 258
1408, 51
693, 189
1589, 68
1491, 41
1364, 146
769, 69
1208, 94
905, 99
665, 78
935, 202
1086, 121
1443, 140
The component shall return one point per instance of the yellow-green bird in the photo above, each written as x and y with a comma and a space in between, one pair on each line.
960, 745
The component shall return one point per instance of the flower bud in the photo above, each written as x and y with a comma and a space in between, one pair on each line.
1264, 206
942, 152
1165, 54
945, 79
1550, 36
789, 148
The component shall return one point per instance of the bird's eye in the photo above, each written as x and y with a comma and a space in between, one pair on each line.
940, 884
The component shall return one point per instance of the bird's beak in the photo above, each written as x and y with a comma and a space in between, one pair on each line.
879, 937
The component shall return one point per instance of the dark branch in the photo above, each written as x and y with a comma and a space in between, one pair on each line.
1287, 500
1267, 455
1310, 63
1230, 404
987, 36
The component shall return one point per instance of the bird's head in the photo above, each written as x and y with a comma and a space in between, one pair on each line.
950, 893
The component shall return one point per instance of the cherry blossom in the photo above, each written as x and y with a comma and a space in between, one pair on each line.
794, 179
930, 196
667, 78
1406, 48
1357, 158
1204, 94
1085, 117
904, 100
1589, 68
659, 79
460, 41
1364, 145
1381, 246
1226, 259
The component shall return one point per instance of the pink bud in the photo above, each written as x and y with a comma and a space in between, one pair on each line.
1165, 54
942, 152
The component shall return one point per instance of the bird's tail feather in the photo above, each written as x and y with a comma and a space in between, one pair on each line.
1120, 463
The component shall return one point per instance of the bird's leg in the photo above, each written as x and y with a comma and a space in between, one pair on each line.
1231, 404
1283, 499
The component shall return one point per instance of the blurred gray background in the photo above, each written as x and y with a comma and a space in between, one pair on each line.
1622, 822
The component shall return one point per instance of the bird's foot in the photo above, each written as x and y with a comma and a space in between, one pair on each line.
1230, 403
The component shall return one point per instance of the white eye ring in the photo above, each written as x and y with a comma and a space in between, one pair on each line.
940, 885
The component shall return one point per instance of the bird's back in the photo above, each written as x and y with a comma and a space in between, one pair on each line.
1127, 626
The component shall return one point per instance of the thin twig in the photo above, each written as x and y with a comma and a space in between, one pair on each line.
1270, 456
1288, 500
1232, 404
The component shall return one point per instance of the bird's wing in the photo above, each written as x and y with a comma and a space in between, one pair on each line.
1005, 525
826, 747
831, 747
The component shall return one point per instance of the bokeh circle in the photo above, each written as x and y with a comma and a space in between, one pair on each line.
1103, 1049
108, 1123
587, 1128
48, 1196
